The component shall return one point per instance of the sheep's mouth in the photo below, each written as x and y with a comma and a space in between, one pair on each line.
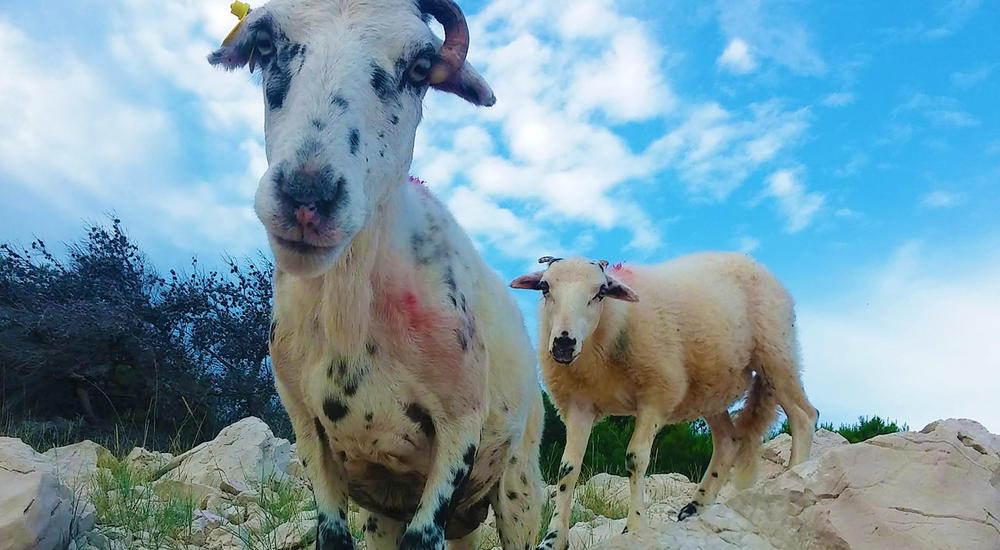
301, 247
564, 359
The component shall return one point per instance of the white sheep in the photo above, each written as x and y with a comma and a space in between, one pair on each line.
709, 329
400, 357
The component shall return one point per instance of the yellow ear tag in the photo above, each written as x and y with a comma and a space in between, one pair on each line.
239, 9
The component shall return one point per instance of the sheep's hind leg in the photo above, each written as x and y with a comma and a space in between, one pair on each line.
781, 370
725, 444
636, 462
578, 425
381, 532
517, 502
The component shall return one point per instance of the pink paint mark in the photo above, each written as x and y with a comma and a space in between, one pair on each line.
415, 313
417, 181
620, 270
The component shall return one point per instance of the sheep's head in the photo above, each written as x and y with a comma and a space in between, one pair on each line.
343, 85
573, 293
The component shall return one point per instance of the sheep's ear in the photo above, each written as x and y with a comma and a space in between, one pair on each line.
236, 50
619, 290
469, 85
529, 281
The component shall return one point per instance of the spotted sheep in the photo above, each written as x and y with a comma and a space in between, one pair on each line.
710, 328
399, 355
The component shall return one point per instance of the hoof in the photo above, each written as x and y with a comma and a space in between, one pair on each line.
687, 511
625, 530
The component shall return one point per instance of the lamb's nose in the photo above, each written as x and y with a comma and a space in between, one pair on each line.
563, 342
306, 215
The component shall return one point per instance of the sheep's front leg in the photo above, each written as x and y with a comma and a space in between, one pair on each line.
456, 443
636, 461
579, 421
325, 470
329, 480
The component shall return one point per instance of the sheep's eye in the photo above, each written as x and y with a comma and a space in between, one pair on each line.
601, 292
543, 286
419, 70
264, 45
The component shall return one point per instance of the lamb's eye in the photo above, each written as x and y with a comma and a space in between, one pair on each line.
543, 286
601, 292
419, 70
263, 44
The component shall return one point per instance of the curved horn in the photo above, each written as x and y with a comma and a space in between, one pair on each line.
456, 38
548, 259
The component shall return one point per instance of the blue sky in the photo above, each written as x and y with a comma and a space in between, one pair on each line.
854, 148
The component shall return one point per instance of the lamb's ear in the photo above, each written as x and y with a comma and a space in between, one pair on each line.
618, 290
236, 50
469, 85
529, 281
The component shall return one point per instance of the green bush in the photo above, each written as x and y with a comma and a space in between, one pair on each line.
684, 448
96, 344
865, 428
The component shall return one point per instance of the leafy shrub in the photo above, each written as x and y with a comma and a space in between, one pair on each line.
865, 428
684, 448
98, 345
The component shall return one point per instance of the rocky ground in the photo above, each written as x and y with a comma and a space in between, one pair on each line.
938, 488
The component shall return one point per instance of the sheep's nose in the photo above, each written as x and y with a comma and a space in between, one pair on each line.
306, 215
563, 348
310, 193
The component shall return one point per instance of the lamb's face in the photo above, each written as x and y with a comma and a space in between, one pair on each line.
573, 293
343, 83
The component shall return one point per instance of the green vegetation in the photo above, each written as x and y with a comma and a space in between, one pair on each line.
97, 345
279, 500
125, 502
684, 448
866, 428
594, 500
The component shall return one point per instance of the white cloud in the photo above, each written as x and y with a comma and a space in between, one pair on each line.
715, 150
915, 340
626, 83
797, 205
938, 110
552, 151
65, 132
736, 57
940, 199
968, 79
775, 35
838, 99
79, 143
853, 166
486, 221
174, 45
949, 18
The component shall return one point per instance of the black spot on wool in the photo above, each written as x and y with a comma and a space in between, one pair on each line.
382, 83
338, 101
320, 432
354, 138
334, 409
421, 417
